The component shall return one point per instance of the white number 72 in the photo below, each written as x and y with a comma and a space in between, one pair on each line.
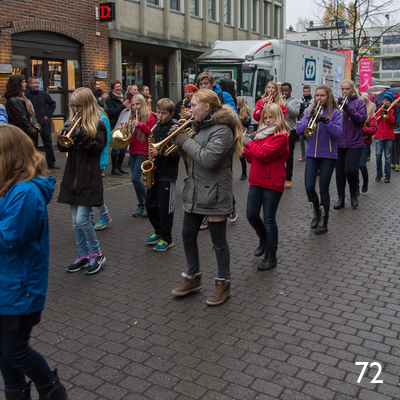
365, 366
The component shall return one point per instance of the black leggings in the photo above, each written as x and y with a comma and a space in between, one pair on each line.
347, 168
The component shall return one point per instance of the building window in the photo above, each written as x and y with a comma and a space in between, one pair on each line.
175, 5
277, 18
195, 7
393, 39
242, 14
212, 10
254, 24
376, 66
314, 43
266, 18
228, 12
390, 64
155, 2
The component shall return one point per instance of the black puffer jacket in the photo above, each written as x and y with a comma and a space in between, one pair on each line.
114, 108
18, 115
82, 183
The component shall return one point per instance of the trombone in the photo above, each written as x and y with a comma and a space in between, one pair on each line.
65, 140
310, 129
344, 101
385, 114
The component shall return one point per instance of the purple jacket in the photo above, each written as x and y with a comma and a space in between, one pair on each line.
353, 120
323, 143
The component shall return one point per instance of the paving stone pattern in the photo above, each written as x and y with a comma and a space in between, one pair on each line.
293, 333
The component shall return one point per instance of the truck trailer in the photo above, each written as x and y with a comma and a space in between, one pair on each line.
251, 64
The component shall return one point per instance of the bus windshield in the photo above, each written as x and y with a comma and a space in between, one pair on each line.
248, 80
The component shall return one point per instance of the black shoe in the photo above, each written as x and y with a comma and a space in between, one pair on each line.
387, 179
78, 264
115, 171
260, 250
95, 263
19, 394
317, 213
354, 200
54, 166
243, 177
364, 188
119, 163
323, 226
53, 391
269, 261
378, 178
339, 204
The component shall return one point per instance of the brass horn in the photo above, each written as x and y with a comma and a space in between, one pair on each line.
385, 114
310, 129
65, 140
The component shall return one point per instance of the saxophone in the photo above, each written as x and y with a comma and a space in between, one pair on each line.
148, 167
183, 108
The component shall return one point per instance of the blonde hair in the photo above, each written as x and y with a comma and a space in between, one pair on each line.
143, 117
351, 83
206, 96
90, 112
19, 160
370, 109
277, 114
277, 94
244, 108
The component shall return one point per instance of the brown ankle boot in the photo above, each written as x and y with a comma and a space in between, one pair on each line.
221, 293
191, 284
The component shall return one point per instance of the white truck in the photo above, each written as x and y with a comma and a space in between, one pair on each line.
251, 64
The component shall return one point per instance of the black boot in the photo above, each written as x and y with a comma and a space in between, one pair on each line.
19, 394
323, 227
317, 213
260, 250
339, 204
354, 200
114, 170
269, 261
53, 391
119, 163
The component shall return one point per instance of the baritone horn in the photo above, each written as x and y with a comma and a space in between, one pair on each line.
121, 137
310, 129
385, 114
65, 140
160, 145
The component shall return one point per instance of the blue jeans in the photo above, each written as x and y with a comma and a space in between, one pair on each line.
116, 152
362, 164
103, 211
381, 146
17, 359
269, 200
326, 167
303, 139
84, 231
136, 161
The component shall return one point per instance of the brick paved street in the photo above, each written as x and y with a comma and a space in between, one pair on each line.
293, 333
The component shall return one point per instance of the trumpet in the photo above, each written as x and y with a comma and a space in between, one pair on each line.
385, 114
344, 101
66, 140
310, 129
267, 100
160, 145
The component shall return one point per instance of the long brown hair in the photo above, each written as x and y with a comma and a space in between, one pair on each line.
206, 96
244, 108
330, 104
19, 160
277, 94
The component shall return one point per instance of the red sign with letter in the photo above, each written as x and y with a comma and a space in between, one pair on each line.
107, 12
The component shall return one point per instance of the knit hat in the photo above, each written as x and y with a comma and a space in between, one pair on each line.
191, 87
389, 96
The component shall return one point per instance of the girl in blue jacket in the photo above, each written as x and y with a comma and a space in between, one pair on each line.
24, 264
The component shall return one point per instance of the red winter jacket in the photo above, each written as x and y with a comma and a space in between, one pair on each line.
135, 146
267, 158
369, 129
386, 127
259, 107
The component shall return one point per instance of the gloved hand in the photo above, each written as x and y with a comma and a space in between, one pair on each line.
246, 139
385, 107
180, 138
346, 106
173, 128
66, 127
312, 113
76, 132
322, 118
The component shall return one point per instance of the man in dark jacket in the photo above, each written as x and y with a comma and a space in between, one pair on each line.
44, 107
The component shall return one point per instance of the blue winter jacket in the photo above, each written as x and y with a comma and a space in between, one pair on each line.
228, 99
24, 246
104, 153
3, 115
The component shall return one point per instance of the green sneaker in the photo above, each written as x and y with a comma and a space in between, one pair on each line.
153, 239
162, 245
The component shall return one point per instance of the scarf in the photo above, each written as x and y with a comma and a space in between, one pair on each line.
120, 97
29, 107
267, 132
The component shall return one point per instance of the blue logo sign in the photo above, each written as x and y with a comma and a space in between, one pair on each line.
310, 70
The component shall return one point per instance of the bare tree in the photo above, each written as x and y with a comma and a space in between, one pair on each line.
352, 18
302, 24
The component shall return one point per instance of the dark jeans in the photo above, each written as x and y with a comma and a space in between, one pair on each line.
269, 200
160, 205
190, 230
362, 164
289, 162
116, 152
244, 165
325, 166
48, 145
17, 359
396, 150
136, 161
347, 168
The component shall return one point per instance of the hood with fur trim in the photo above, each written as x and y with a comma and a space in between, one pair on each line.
225, 116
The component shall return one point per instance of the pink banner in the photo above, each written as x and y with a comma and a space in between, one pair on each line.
365, 73
349, 59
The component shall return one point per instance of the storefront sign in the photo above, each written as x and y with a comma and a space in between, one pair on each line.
107, 12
